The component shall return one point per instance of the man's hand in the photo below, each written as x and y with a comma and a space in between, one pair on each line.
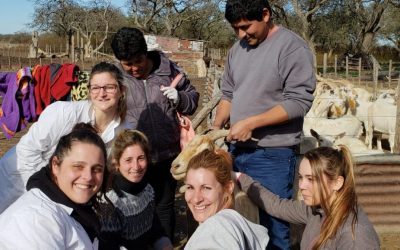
240, 131
171, 93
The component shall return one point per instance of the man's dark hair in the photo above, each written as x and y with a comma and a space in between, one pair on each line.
128, 43
235, 10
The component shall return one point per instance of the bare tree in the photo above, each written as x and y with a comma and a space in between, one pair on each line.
162, 16
368, 13
95, 20
69, 17
306, 11
390, 30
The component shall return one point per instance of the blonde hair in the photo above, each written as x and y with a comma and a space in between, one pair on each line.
219, 162
333, 163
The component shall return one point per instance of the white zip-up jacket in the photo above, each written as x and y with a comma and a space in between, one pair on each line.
35, 148
34, 221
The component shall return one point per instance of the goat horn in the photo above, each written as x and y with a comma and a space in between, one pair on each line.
216, 134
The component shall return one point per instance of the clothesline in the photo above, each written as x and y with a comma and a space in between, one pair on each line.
28, 91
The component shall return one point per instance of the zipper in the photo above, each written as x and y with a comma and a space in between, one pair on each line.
150, 113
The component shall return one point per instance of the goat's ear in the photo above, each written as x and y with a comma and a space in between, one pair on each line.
341, 135
314, 133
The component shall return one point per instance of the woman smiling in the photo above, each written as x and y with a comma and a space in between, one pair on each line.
58, 212
131, 221
105, 111
332, 217
209, 197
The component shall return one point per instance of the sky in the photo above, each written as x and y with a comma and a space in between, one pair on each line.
16, 14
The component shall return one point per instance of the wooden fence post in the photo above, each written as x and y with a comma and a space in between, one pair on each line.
375, 77
9, 59
390, 72
335, 65
396, 148
359, 71
347, 67
72, 50
325, 65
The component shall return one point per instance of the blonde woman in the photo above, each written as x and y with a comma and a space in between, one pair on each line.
209, 198
332, 217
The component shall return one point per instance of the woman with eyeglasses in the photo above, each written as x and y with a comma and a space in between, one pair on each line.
105, 110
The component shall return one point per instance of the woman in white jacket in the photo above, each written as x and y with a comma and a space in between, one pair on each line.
105, 110
58, 211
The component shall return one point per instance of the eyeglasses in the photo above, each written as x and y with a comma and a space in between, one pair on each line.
109, 89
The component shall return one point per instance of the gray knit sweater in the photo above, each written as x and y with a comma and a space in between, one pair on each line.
279, 71
297, 212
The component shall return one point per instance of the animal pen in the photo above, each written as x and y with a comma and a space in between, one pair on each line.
377, 177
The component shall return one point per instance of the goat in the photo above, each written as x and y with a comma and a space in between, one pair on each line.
356, 146
207, 141
382, 119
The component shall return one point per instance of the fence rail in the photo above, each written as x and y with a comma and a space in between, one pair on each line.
362, 70
9, 63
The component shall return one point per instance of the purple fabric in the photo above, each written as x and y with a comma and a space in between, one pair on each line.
16, 112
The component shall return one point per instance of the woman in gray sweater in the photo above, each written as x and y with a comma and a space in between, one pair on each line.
329, 210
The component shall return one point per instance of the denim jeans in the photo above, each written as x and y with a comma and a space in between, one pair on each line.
274, 169
164, 185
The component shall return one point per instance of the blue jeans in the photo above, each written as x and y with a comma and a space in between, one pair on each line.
274, 169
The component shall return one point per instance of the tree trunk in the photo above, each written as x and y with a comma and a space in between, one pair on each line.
367, 42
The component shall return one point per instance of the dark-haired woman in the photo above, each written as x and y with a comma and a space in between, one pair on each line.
57, 211
105, 111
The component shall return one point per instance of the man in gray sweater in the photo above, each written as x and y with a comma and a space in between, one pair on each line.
267, 88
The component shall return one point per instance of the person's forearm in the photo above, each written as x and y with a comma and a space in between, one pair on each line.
222, 114
275, 115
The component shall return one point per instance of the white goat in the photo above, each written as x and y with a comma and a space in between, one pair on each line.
348, 124
356, 146
199, 143
382, 119
327, 102
363, 94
